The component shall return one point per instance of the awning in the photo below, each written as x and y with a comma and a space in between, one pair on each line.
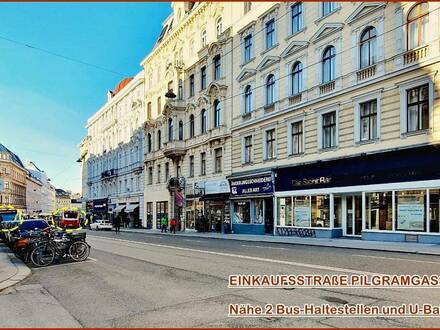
131, 208
118, 209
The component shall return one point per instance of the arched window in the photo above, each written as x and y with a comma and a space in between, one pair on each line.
219, 26
159, 140
180, 130
417, 25
170, 129
203, 121
149, 143
297, 78
270, 89
328, 64
217, 113
248, 99
191, 126
159, 106
368, 47
203, 38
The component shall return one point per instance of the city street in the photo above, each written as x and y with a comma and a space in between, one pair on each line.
138, 280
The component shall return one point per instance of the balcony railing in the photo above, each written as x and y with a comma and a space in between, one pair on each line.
327, 87
415, 55
294, 99
366, 73
174, 149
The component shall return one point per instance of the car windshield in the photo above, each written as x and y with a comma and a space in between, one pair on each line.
70, 215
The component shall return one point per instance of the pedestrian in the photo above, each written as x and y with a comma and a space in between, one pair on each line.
117, 224
164, 223
173, 224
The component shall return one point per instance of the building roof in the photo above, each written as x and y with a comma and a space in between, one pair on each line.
122, 84
62, 193
10, 155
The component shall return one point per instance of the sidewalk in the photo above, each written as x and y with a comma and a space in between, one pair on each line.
12, 269
347, 243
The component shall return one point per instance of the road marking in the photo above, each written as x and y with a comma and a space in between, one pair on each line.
264, 247
398, 259
239, 256
193, 240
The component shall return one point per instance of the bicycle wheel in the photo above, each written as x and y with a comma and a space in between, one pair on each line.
79, 251
43, 255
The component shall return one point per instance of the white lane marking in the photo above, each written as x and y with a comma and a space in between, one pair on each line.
398, 259
65, 264
283, 262
264, 247
193, 240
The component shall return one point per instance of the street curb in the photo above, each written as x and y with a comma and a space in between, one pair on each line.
381, 249
22, 272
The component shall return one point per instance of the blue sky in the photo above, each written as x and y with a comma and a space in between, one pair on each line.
46, 100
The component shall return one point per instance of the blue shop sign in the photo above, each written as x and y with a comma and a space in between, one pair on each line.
252, 186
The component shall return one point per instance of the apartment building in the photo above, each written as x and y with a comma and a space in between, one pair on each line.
112, 155
336, 127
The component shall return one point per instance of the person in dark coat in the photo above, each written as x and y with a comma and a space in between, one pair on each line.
117, 224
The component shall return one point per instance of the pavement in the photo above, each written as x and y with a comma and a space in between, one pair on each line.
346, 243
12, 269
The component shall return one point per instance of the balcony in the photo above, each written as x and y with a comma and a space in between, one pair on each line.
327, 87
174, 149
414, 55
295, 99
109, 173
176, 104
366, 73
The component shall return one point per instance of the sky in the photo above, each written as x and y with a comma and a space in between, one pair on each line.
46, 100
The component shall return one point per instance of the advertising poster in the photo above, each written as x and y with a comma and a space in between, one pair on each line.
410, 213
302, 216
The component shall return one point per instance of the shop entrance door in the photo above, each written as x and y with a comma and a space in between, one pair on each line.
352, 215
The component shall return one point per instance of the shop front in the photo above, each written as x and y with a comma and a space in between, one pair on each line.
193, 207
127, 209
252, 204
216, 217
386, 196
99, 208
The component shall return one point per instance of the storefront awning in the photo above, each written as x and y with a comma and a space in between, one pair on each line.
131, 208
118, 209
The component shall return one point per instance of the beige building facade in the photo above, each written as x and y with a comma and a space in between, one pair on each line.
337, 101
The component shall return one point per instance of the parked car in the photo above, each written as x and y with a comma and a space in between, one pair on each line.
101, 225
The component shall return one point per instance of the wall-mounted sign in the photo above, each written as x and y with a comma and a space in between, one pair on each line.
216, 187
252, 186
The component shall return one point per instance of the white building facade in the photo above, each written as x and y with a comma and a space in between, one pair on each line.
43, 200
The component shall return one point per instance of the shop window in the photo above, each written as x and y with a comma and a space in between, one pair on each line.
242, 212
338, 211
161, 211
149, 214
434, 210
258, 211
320, 210
301, 211
411, 210
284, 211
379, 210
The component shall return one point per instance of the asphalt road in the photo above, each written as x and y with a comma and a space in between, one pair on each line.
138, 280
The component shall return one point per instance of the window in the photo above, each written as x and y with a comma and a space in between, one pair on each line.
191, 166
191, 126
296, 18
270, 33
159, 140
149, 114
368, 47
161, 212
167, 171
368, 120
203, 77
242, 212
159, 107
203, 121
150, 175
149, 143
297, 77
417, 25
297, 138
328, 64
270, 89
247, 6
217, 67
203, 163
248, 149
410, 206
417, 108
328, 7
270, 144
170, 129
248, 99
217, 113
219, 27
158, 173
180, 91
191, 85
180, 130
248, 48
329, 130
218, 160
203, 38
